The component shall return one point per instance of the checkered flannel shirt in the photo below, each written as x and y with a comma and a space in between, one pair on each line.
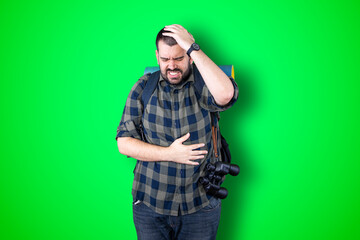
171, 188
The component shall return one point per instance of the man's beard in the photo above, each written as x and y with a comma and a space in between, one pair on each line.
184, 76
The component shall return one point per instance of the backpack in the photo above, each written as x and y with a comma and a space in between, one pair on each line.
199, 84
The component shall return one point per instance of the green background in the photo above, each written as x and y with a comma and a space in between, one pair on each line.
67, 67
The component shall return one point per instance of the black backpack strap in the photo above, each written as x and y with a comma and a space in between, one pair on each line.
148, 90
150, 87
199, 81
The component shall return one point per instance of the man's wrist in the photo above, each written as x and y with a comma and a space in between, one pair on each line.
165, 154
193, 47
189, 46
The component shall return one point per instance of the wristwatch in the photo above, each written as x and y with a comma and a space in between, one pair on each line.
195, 47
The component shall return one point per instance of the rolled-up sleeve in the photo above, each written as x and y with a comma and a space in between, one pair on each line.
207, 100
130, 121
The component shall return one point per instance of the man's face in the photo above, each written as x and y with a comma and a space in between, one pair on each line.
174, 62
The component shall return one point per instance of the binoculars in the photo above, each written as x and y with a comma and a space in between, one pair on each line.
215, 173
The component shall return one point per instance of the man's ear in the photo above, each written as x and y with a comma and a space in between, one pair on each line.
191, 61
157, 56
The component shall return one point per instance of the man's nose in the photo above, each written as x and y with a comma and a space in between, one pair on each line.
172, 64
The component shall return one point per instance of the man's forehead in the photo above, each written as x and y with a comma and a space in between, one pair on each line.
167, 51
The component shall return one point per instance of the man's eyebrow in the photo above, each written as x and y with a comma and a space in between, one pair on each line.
178, 58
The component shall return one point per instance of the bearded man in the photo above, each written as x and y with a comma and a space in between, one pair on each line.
170, 137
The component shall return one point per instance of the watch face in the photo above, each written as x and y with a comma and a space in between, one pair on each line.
196, 46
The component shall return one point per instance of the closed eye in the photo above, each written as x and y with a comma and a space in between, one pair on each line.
179, 58
176, 59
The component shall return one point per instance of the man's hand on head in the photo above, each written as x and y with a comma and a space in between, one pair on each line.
181, 35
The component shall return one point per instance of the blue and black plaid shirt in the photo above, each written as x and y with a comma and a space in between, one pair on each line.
172, 111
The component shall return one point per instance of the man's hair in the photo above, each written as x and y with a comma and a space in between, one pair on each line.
168, 40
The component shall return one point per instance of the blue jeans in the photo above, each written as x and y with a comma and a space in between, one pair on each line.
201, 225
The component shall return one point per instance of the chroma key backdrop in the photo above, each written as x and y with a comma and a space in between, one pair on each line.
67, 68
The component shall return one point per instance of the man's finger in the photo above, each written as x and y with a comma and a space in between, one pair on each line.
192, 163
196, 157
170, 28
177, 26
184, 138
195, 146
173, 29
194, 153
170, 34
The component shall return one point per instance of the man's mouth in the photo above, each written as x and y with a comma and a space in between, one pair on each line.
174, 73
